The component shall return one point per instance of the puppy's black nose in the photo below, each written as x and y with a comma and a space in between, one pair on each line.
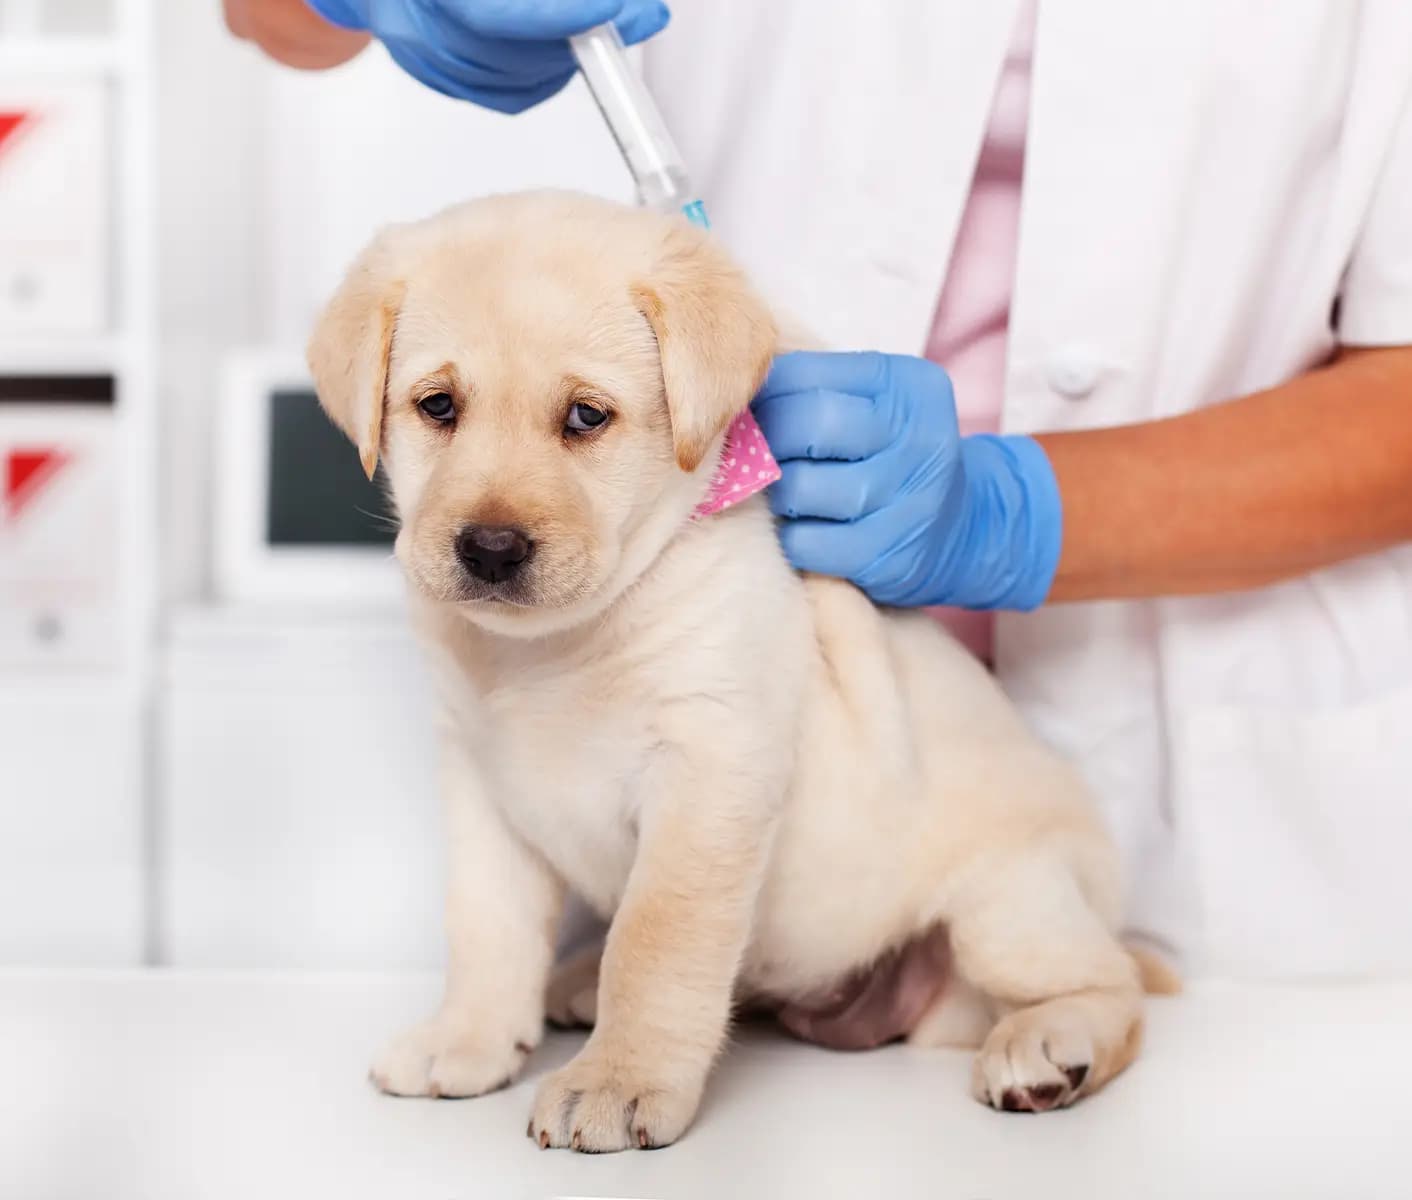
492, 552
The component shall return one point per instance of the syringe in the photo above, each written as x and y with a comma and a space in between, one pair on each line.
623, 99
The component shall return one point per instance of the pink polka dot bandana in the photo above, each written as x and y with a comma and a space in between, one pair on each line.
747, 467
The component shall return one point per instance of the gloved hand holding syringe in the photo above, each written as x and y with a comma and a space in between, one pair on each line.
623, 99
510, 57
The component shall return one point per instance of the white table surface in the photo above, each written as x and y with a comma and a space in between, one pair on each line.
186, 1086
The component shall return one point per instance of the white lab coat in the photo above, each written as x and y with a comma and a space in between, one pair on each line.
1203, 182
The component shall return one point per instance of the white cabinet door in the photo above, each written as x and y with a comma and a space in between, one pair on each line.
71, 823
54, 205
301, 826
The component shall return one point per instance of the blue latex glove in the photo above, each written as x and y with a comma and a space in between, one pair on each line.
879, 487
502, 54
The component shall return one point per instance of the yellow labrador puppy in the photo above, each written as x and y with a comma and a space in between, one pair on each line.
782, 796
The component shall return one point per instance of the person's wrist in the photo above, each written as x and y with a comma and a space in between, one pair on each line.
1006, 546
1018, 524
346, 14
1039, 531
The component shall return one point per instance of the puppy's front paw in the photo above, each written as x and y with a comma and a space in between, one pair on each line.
597, 1105
444, 1057
1031, 1064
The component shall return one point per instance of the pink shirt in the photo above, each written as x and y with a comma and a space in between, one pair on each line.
969, 330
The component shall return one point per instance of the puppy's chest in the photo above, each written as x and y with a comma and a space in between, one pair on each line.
565, 760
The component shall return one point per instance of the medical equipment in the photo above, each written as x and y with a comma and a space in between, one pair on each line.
623, 99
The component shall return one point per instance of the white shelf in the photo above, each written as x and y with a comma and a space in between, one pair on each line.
67, 356
99, 685
66, 54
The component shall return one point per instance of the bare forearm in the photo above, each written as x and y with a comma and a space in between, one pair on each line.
1241, 494
292, 33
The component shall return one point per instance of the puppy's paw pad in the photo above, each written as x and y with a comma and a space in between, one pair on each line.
1040, 1098
440, 1058
594, 1108
1023, 1066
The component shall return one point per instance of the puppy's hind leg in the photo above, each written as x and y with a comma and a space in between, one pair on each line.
572, 996
1024, 935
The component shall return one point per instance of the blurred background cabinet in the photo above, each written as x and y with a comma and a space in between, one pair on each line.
78, 473
301, 829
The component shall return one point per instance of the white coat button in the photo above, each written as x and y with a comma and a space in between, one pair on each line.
1073, 373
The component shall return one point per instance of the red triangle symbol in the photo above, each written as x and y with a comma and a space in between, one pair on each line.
9, 123
26, 473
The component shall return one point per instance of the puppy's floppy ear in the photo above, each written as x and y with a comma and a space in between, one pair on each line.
714, 334
349, 349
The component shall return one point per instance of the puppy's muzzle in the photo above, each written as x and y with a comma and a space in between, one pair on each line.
492, 553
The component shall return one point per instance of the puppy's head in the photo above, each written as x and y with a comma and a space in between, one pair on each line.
547, 378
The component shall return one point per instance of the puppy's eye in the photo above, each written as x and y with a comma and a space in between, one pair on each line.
584, 418
438, 406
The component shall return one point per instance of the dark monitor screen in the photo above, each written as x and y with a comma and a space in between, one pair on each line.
318, 495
